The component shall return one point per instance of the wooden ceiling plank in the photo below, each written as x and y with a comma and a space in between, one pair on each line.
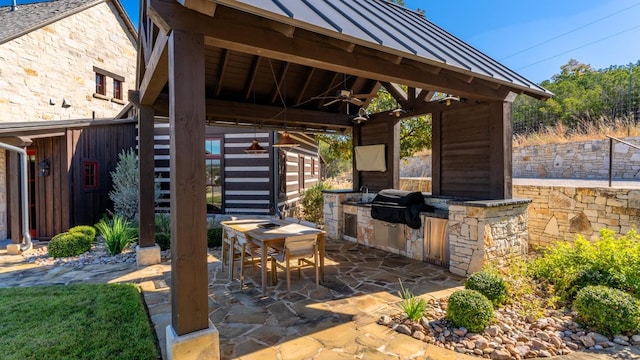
156, 72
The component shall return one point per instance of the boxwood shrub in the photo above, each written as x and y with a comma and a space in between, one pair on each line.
163, 240
69, 244
490, 285
214, 237
469, 309
609, 311
85, 229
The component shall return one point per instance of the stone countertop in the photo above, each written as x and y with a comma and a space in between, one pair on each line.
436, 213
491, 203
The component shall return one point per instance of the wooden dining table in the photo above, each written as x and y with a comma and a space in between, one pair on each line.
268, 233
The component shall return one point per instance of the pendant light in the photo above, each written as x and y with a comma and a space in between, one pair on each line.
284, 140
255, 147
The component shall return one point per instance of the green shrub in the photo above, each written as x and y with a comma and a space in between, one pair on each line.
69, 244
214, 237
470, 309
609, 311
163, 223
490, 285
312, 202
413, 307
117, 233
85, 229
609, 261
163, 240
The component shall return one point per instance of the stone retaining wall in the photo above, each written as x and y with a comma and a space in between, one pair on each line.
562, 212
576, 160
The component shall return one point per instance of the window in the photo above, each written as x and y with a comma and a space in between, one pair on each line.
117, 89
313, 166
101, 84
301, 173
89, 175
214, 175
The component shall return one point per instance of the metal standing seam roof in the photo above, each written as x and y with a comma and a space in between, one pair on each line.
379, 23
32, 16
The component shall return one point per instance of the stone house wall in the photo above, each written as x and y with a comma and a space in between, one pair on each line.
576, 160
57, 62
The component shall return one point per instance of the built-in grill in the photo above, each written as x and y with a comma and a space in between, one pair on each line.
397, 206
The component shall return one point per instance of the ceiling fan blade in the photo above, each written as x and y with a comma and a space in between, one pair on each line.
365, 96
331, 102
355, 101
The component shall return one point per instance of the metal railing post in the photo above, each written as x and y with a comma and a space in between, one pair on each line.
610, 159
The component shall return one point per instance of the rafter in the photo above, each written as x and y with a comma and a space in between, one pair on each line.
252, 77
224, 58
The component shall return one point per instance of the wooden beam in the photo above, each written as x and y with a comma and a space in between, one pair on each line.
252, 78
146, 205
189, 279
396, 91
500, 142
222, 70
157, 73
206, 7
424, 95
232, 111
13, 187
239, 31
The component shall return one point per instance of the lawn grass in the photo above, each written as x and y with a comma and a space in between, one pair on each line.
92, 321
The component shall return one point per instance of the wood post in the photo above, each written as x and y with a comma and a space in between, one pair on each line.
500, 141
146, 206
187, 110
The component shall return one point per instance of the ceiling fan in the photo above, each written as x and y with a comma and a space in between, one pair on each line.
345, 95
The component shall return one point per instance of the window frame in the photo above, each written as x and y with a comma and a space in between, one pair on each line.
101, 84
217, 156
117, 90
95, 175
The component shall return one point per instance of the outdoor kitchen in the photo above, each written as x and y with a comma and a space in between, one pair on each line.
455, 233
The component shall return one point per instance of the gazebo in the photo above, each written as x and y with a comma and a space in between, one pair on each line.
312, 66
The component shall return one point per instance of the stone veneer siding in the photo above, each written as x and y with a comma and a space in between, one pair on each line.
3, 196
494, 230
560, 212
575, 160
56, 62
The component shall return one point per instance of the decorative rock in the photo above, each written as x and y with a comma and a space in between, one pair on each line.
418, 335
403, 329
478, 352
385, 320
620, 341
635, 339
542, 335
573, 346
538, 345
587, 341
544, 353
492, 330
460, 331
500, 355
482, 343
597, 347
598, 338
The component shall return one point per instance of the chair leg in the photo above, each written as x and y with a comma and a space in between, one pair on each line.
224, 255
315, 265
274, 272
288, 270
242, 256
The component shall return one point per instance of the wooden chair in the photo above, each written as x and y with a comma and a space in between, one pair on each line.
228, 239
248, 252
302, 250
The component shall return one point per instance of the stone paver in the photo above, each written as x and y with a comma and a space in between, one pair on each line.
338, 321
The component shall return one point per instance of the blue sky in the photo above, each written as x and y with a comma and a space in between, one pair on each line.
532, 37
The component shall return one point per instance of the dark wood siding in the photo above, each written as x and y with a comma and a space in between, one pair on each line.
374, 133
61, 201
465, 153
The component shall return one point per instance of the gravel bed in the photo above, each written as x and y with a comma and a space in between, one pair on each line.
513, 336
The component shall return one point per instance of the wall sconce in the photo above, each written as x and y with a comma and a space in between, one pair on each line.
44, 167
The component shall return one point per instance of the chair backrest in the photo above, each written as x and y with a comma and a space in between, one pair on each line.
230, 233
299, 245
241, 238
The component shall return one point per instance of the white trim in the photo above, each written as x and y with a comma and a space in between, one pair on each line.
162, 169
247, 202
161, 137
161, 157
246, 135
246, 168
247, 192
243, 210
246, 156
160, 125
248, 180
295, 182
161, 146
162, 180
